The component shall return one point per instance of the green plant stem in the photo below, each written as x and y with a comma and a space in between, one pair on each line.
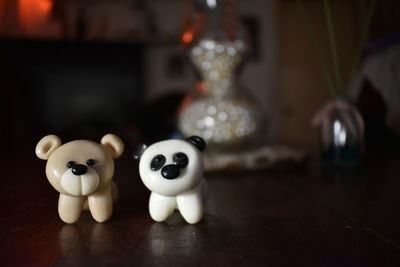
333, 46
364, 36
313, 37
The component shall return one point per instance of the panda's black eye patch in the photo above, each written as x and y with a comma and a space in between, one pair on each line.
180, 159
157, 162
90, 162
71, 164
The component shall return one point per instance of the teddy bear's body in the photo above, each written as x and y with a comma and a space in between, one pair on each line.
173, 171
82, 172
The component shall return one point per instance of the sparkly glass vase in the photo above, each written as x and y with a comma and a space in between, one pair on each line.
219, 110
341, 134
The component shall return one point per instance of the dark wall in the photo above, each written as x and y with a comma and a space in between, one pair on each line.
73, 89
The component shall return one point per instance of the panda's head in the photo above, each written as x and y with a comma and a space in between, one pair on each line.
172, 167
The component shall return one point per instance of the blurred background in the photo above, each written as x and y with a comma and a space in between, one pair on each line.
83, 68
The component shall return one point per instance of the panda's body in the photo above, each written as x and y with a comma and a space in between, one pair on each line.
173, 171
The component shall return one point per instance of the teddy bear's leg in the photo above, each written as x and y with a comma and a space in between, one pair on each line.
70, 208
190, 205
100, 204
161, 207
114, 195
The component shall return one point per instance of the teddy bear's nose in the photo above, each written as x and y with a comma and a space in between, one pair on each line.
170, 171
79, 169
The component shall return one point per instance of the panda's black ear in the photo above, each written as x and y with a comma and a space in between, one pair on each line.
197, 141
139, 151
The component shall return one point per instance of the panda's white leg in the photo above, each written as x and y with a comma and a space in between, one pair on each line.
161, 207
190, 205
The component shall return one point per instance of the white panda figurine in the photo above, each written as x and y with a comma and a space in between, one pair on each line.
173, 171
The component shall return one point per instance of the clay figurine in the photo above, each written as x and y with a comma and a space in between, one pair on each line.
173, 171
82, 172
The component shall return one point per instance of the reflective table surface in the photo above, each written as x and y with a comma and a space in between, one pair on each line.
303, 217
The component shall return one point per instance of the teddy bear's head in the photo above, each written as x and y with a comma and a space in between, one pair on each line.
81, 167
172, 167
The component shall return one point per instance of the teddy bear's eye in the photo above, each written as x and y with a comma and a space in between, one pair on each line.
157, 162
70, 164
90, 162
180, 159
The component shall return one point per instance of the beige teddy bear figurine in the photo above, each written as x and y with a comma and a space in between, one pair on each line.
82, 172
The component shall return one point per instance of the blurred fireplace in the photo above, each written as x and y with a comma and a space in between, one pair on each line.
74, 89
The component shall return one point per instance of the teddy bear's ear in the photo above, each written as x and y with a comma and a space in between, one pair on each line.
197, 141
47, 145
114, 143
139, 151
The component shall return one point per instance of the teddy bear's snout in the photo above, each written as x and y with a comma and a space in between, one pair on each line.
79, 169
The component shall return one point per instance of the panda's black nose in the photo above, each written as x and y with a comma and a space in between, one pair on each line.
79, 169
170, 171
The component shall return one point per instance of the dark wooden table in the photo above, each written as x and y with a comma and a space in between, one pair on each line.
305, 217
